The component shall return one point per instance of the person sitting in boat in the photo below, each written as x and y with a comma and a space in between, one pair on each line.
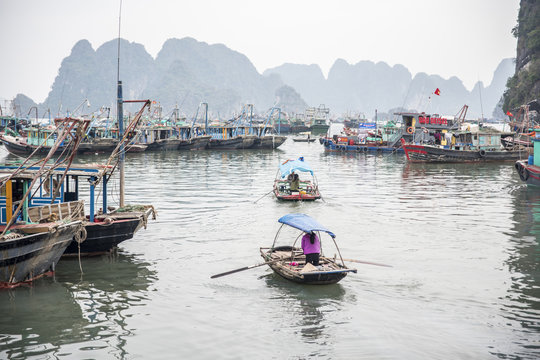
311, 247
437, 137
294, 182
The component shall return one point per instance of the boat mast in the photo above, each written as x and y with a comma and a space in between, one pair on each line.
120, 114
481, 106
205, 117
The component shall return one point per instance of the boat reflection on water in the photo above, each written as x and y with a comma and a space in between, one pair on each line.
90, 309
38, 319
313, 310
521, 305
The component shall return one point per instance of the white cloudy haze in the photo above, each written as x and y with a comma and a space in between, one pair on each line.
463, 38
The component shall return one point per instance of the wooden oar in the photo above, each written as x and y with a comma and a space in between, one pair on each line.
245, 268
263, 196
366, 262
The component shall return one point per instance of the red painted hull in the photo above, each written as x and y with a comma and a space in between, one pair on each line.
529, 174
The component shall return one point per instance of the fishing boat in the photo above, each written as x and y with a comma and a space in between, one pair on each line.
289, 261
365, 138
267, 137
304, 188
104, 229
229, 136
318, 118
40, 139
468, 147
529, 170
523, 124
298, 124
159, 137
28, 249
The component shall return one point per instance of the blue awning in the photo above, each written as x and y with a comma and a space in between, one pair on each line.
304, 222
294, 165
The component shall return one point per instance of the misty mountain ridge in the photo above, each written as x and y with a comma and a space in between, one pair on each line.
367, 86
186, 72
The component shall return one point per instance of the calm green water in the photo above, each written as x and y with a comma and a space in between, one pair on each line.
463, 241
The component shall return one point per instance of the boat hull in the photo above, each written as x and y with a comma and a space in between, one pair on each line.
99, 146
27, 258
330, 145
299, 197
319, 129
428, 153
239, 142
167, 144
530, 174
104, 236
299, 128
19, 146
283, 269
269, 142
196, 143
308, 191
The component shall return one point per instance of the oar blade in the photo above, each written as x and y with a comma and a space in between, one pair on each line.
367, 262
244, 268
229, 272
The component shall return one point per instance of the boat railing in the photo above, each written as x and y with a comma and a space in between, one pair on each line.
72, 210
395, 138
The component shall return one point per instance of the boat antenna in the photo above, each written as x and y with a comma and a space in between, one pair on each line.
118, 57
120, 115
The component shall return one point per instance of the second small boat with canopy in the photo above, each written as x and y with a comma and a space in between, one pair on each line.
290, 261
295, 180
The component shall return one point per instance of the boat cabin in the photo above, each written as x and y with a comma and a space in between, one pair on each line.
42, 194
466, 140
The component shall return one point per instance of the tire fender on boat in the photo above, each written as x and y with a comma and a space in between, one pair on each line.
523, 173
482, 153
364, 149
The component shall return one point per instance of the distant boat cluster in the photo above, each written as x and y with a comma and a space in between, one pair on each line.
154, 133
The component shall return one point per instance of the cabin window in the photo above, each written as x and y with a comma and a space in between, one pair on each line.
17, 187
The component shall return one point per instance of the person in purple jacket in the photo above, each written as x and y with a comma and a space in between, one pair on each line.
312, 248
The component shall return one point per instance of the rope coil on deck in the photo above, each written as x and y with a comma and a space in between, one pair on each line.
81, 235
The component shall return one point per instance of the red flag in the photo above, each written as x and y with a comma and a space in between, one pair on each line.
437, 92
509, 113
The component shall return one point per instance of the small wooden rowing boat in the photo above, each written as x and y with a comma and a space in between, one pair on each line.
295, 181
290, 262
308, 140
304, 137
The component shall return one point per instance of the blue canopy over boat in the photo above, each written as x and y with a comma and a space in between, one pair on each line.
292, 165
304, 222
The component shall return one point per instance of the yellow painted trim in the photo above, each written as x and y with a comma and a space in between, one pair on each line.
9, 201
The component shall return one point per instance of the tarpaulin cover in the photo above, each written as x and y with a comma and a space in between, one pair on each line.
294, 165
304, 222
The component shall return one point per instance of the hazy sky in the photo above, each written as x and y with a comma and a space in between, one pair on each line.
463, 38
